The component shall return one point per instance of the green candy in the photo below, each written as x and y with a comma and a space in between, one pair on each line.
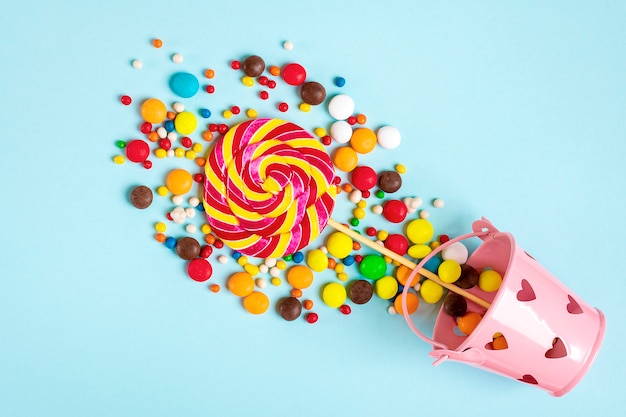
373, 266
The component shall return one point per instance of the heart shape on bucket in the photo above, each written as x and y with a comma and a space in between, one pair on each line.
529, 379
573, 307
558, 349
526, 293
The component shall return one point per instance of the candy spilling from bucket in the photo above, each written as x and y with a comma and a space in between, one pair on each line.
536, 330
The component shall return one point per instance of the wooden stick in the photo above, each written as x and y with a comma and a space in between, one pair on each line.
401, 259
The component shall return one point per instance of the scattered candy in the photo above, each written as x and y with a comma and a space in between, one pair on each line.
300, 276
412, 302
345, 159
312, 93
373, 267
293, 74
489, 280
334, 294
388, 137
253, 66
179, 181
341, 132
363, 140
153, 111
341, 107
256, 303
339, 245
241, 284
431, 292
386, 287
184, 84
289, 308
395, 211
420, 231
364, 178
360, 291
177, 58
199, 269
141, 197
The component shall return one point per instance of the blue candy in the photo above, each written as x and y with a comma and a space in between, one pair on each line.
184, 84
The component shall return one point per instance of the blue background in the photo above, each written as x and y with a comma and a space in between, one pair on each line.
510, 110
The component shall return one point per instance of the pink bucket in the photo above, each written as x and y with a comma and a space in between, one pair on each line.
552, 335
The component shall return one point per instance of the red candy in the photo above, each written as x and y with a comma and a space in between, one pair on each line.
206, 251
126, 100
165, 144
395, 211
370, 231
137, 150
327, 140
209, 89
199, 269
283, 107
345, 309
147, 164
364, 178
311, 317
293, 74
186, 141
264, 95
235, 65
145, 128
397, 243
235, 110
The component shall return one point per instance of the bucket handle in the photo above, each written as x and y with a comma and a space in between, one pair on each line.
482, 229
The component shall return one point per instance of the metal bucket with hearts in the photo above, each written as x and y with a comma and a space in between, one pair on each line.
551, 335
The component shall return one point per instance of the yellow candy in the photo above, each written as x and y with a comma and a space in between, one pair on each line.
489, 280
179, 181
242, 260
160, 153
418, 251
400, 169
305, 107
190, 154
119, 159
160, 227
319, 131
206, 229
179, 152
334, 294
431, 292
153, 110
185, 123
275, 281
317, 260
247, 81
251, 269
227, 114
251, 113
386, 287
339, 268
359, 213
162, 191
282, 265
449, 271
420, 231
382, 235
339, 245
300, 277
197, 147
342, 276
361, 204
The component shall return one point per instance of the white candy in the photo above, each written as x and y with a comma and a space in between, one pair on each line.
324, 249
170, 153
417, 286
177, 58
191, 228
190, 212
392, 310
263, 269
416, 202
456, 252
274, 272
377, 209
270, 262
355, 196
438, 203
172, 136
178, 215
161, 132
341, 107
222, 259
137, 64
341, 131
177, 199
261, 282
178, 107
424, 214
194, 201
388, 137
287, 45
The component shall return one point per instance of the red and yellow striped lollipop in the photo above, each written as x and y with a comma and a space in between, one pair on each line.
268, 190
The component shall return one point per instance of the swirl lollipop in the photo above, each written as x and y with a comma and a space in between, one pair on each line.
268, 190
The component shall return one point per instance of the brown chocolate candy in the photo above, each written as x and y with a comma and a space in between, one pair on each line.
289, 308
468, 278
313, 93
253, 66
360, 291
141, 197
187, 248
455, 305
389, 181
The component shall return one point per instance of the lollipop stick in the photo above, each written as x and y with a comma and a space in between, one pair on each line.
401, 259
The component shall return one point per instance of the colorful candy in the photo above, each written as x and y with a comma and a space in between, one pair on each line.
179, 181
363, 140
268, 188
312, 93
339, 245
388, 137
341, 106
184, 84
141, 197
334, 294
153, 111
300, 277
489, 280
256, 302
241, 284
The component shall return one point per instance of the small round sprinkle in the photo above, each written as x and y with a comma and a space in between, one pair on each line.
177, 58
287, 45
424, 214
137, 64
340, 81
222, 259
438, 203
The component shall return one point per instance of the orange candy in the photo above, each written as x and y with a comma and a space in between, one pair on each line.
241, 284
347, 188
361, 119
412, 302
274, 70
296, 292
157, 43
209, 73
468, 322
402, 275
160, 237
256, 303
200, 161
207, 135
179, 181
153, 136
308, 304
363, 140
153, 110
499, 343
215, 288
300, 276
345, 159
